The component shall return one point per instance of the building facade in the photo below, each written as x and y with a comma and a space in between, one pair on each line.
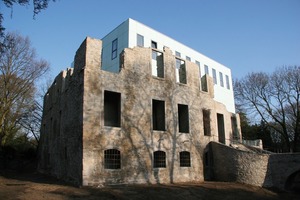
148, 122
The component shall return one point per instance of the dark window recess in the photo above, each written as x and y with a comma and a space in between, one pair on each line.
206, 122
235, 132
114, 49
159, 159
158, 115
154, 45
221, 128
157, 64
183, 118
112, 109
112, 159
185, 159
204, 86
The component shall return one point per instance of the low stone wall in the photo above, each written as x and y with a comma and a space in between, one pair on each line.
264, 170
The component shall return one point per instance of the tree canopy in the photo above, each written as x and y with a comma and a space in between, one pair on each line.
275, 99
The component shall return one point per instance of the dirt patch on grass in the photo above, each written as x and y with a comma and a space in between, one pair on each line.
33, 186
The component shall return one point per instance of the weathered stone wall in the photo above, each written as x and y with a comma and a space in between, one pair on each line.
136, 139
77, 143
267, 170
60, 149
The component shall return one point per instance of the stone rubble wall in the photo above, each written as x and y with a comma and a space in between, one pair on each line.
74, 138
265, 170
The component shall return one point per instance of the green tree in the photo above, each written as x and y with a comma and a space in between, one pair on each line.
19, 71
275, 99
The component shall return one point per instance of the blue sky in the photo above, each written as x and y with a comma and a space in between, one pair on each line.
245, 35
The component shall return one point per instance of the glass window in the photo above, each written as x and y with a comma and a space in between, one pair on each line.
185, 159
153, 45
214, 76
227, 82
188, 58
112, 159
206, 71
177, 54
159, 159
221, 79
114, 50
140, 40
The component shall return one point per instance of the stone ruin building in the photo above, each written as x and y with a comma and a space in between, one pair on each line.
140, 107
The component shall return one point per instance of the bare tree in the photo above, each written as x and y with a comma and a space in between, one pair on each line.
275, 99
19, 70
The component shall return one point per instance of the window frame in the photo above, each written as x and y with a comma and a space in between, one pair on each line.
227, 82
112, 159
221, 79
159, 159
185, 159
206, 69
139, 40
214, 73
153, 44
114, 49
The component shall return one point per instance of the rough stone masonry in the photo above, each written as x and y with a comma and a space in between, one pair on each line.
100, 127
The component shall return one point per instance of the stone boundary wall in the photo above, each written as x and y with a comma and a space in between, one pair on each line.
264, 170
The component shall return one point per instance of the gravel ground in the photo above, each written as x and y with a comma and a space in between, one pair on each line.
33, 186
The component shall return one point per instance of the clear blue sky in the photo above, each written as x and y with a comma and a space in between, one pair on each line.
245, 35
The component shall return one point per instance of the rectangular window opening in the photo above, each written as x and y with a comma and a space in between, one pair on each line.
153, 45
227, 82
159, 159
158, 115
221, 128
214, 76
204, 85
139, 40
114, 49
180, 71
221, 79
206, 122
157, 64
183, 118
206, 70
185, 159
112, 159
112, 109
